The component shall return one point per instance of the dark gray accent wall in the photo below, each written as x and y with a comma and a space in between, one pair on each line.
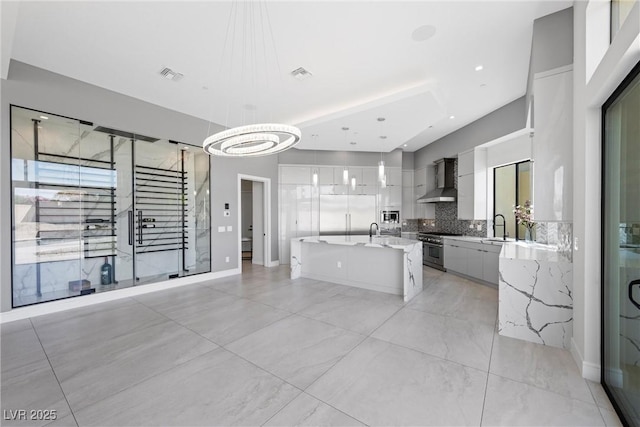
35, 88
503, 121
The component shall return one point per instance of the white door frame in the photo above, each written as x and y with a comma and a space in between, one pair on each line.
266, 217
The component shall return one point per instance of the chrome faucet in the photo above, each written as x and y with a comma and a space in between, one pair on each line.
504, 226
371, 231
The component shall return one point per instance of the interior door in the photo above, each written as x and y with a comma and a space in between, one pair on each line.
160, 206
621, 249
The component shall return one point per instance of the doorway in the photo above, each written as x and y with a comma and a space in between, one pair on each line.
254, 219
621, 249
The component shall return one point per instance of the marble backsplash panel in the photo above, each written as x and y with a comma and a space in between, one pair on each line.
559, 234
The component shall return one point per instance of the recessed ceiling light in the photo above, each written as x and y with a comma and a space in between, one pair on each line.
345, 128
184, 148
479, 68
353, 143
39, 127
430, 126
483, 84
383, 137
381, 119
44, 117
452, 117
423, 33
404, 145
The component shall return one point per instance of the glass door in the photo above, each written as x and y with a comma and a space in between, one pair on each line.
160, 203
621, 249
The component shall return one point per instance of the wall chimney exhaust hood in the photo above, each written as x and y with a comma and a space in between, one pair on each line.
445, 188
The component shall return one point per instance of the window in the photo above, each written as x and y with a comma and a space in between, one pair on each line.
620, 9
511, 186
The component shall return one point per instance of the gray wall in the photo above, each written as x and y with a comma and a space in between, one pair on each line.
552, 44
503, 121
350, 158
39, 89
408, 161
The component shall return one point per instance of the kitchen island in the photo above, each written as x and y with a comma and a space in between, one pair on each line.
385, 264
536, 300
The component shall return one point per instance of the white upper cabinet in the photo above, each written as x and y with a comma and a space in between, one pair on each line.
472, 184
553, 145
394, 176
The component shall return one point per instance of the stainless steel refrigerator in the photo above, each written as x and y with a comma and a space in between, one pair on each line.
342, 214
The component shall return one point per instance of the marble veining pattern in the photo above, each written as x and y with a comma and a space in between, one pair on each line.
536, 301
412, 256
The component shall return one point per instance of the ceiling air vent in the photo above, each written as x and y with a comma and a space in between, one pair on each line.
301, 74
169, 74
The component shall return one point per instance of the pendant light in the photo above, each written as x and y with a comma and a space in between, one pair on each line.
345, 171
314, 175
381, 176
259, 139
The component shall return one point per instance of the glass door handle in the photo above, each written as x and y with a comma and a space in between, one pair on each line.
139, 227
130, 224
631, 285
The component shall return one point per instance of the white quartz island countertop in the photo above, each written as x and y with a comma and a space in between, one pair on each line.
380, 263
374, 242
535, 292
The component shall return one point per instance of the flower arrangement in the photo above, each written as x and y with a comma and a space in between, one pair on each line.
524, 214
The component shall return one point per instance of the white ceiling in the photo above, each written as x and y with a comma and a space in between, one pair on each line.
364, 61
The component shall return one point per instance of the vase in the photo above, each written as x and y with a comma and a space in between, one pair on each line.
528, 234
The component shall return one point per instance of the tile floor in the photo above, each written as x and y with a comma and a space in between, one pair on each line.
261, 349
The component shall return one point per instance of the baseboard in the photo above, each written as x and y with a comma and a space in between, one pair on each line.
87, 300
588, 370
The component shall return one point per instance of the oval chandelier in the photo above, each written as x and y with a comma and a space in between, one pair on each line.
251, 140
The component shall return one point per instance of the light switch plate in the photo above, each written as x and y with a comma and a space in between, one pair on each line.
227, 213
221, 229
229, 228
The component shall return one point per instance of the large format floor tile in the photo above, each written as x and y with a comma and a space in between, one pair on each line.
79, 329
293, 298
36, 388
90, 374
361, 357
234, 319
380, 383
453, 339
296, 349
217, 388
542, 366
355, 314
306, 410
452, 296
511, 403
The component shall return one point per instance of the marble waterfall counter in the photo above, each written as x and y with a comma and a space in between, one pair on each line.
385, 264
535, 293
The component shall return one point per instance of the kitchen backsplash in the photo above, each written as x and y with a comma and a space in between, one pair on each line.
446, 221
558, 234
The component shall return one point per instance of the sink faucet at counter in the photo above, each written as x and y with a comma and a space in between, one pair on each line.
371, 229
504, 226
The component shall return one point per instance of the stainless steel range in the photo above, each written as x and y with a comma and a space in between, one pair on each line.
433, 249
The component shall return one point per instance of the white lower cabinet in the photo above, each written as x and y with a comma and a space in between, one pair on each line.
473, 259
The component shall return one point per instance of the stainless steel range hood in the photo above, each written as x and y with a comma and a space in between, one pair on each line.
445, 188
